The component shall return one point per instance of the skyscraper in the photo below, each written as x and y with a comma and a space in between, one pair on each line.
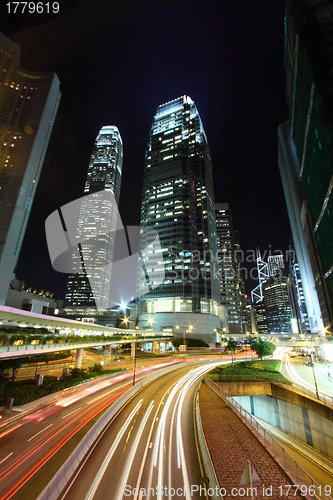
229, 268
28, 106
295, 196
296, 293
178, 201
275, 263
104, 174
308, 64
276, 298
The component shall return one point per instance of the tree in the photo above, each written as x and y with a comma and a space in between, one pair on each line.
95, 368
13, 364
263, 348
3, 376
189, 342
231, 345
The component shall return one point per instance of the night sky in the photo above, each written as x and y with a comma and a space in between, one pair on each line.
117, 61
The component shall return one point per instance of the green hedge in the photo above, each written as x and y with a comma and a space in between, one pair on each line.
25, 391
250, 371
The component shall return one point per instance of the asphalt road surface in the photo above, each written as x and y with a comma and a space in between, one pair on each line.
34, 445
149, 451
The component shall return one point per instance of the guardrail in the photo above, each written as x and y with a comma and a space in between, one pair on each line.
50, 365
251, 378
312, 488
327, 400
63, 346
206, 458
27, 349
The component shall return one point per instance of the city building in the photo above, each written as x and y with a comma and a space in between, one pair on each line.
308, 64
178, 202
270, 298
241, 283
296, 294
275, 263
104, 175
229, 267
28, 106
260, 318
301, 229
21, 297
276, 298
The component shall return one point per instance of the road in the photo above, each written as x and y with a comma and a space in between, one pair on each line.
33, 446
294, 369
55, 367
149, 451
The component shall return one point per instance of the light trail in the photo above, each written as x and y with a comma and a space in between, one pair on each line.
177, 393
50, 451
297, 379
104, 466
10, 430
131, 455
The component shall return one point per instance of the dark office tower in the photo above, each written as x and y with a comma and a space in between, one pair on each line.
276, 299
299, 314
241, 283
28, 107
295, 196
308, 63
178, 202
104, 174
260, 317
229, 273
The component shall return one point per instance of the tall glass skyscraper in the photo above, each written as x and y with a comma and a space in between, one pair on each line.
28, 106
228, 266
178, 202
104, 174
308, 65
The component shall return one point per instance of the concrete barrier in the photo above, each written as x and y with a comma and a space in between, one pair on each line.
205, 455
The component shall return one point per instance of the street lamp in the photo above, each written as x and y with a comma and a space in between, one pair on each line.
314, 376
190, 328
134, 342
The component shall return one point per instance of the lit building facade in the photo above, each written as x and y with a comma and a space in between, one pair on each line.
28, 106
178, 202
229, 268
260, 318
308, 64
301, 229
104, 175
296, 294
241, 284
276, 298
275, 263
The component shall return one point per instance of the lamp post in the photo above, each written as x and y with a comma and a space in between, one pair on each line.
190, 328
136, 328
134, 341
314, 376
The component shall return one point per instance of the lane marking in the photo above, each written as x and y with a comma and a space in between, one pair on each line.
129, 462
10, 454
93, 488
71, 413
40, 432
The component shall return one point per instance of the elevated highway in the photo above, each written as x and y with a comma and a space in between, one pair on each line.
26, 319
